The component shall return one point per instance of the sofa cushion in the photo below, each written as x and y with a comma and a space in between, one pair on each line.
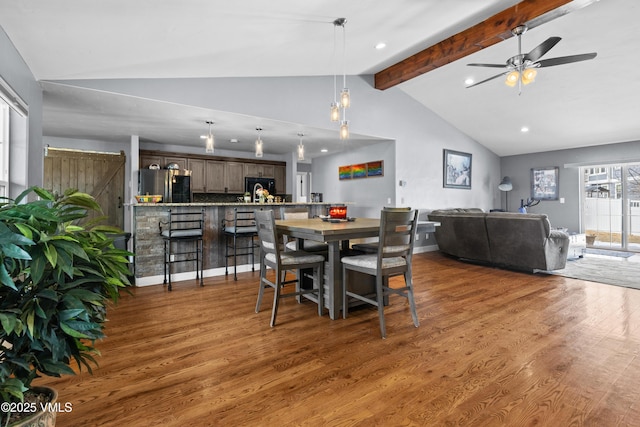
462, 233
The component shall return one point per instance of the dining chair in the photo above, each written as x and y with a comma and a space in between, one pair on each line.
272, 256
182, 227
240, 232
372, 247
393, 258
307, 245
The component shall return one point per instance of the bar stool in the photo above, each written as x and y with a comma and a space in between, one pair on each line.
241, 228
180, 228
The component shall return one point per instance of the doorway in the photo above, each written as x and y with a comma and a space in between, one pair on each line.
98, 174
611, 206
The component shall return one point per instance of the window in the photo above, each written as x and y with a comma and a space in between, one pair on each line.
4, 149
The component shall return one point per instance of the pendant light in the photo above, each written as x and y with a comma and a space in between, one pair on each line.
300, 147
341, 104
259, 152
209, 145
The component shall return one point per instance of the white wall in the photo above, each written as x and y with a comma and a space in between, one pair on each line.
13, 69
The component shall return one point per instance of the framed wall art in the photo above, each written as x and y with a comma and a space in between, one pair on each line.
456, 169
344, 172
375, 168
544, 183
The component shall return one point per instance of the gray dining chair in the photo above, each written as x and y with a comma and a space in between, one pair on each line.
272, 256
372, 247
393, 258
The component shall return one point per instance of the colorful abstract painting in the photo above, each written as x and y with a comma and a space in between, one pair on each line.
375, 168
344, 172
359, 171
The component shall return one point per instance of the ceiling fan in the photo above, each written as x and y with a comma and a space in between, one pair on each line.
521, 69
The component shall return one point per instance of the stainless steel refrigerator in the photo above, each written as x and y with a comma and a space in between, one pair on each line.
169, 183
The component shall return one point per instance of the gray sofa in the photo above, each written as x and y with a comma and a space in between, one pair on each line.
511, 240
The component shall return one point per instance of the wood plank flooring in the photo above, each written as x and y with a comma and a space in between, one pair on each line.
494, 348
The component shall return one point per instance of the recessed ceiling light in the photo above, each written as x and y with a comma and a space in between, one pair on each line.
233, 140
381, 45
524, 129
468, 81
324, 150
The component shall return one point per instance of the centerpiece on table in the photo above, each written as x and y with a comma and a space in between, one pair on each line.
262, 194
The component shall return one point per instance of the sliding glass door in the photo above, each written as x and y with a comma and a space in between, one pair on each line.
611, 206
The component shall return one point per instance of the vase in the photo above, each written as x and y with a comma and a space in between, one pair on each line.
261, 199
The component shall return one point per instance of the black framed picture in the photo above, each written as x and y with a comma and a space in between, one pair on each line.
544, 183
456, 169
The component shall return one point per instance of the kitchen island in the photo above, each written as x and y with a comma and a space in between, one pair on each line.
148, 244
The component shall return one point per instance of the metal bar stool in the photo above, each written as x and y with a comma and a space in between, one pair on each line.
180, 228
241, 228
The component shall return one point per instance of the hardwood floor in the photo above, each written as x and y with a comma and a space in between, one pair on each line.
494, 347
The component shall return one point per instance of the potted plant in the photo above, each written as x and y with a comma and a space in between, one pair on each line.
247, 197
56, 279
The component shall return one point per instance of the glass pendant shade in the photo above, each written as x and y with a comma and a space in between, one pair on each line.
300, 152
209, 144
345, 98
335, 112
512, 78
344, 130
259, 147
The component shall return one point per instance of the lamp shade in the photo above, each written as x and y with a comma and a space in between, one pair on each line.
505, 184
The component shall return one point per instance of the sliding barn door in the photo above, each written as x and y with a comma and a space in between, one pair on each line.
99, 174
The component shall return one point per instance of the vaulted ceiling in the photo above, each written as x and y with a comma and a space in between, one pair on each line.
587, 103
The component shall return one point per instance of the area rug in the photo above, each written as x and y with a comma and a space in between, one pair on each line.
608, 270
607, 252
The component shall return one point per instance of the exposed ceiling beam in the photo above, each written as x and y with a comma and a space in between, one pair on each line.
489, 32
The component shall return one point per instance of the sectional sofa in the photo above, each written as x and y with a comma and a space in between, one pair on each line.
510, 240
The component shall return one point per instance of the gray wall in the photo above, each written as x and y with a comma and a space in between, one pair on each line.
15, 72
563, 214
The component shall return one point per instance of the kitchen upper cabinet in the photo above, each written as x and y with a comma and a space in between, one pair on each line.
214, 176
259, 170
180, 161
234, 175
146, 161
280, 177
198, 181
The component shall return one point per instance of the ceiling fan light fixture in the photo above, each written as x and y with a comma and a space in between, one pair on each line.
512, 78
529, 75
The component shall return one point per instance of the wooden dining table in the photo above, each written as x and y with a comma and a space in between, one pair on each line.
337, 236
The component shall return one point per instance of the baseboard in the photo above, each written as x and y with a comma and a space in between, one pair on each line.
191, 275
421, 249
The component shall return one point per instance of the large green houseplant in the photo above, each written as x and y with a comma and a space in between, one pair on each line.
56, 279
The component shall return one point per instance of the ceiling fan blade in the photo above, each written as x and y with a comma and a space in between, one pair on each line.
544, 47
486, 80
566, 59
487, 65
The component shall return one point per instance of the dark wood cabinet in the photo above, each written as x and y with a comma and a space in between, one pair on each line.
214, 176
211, 174
198, 181
234, 175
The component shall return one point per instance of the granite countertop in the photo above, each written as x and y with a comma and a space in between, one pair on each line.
237, 204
